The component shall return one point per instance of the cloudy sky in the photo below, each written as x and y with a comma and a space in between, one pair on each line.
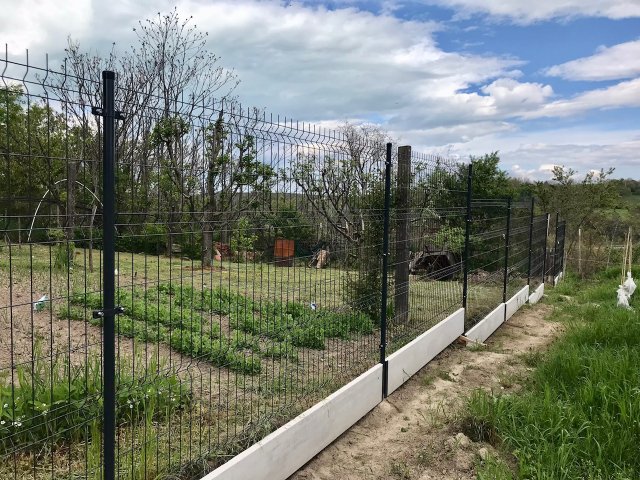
543, 81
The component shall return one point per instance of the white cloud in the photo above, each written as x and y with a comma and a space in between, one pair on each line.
328, 65
527, 11
608, 63
533, 155
624, 94
509, 94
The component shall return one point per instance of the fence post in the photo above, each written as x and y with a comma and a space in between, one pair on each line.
506, 252
544, 257
385, 273
401, 294
579, 252
108, 312
467, 234
533, 201
555, 249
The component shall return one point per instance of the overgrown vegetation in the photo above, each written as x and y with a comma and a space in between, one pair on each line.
578, 416
58, 401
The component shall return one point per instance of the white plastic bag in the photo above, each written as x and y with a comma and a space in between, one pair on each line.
623, 300
629, 285
39, 305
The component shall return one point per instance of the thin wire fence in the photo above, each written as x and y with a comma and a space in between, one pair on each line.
427, 245
250, 256
539, 227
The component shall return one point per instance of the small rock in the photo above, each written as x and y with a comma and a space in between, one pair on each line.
462, 440
450, 444
483, 453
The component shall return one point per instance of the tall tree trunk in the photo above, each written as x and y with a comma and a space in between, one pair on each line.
209, 205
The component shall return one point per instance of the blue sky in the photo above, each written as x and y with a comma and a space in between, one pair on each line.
542, 81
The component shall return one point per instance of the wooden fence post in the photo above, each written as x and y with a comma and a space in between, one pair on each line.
401, 295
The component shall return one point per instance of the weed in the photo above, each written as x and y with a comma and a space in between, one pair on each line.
427, 380
532, 358
444, 375
424, 457
55, 400
400, 470
477, 347
493, 468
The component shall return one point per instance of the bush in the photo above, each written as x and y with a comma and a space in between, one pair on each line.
363, 293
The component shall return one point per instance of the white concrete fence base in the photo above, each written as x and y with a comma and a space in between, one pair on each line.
489, 324
537, 294
282, 453
517, 301
404, 363
557, 278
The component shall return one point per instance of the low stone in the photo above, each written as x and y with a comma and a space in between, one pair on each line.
483, 453
463, 440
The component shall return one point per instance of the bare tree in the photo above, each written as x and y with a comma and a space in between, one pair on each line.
236, 180
168, 85
335, 183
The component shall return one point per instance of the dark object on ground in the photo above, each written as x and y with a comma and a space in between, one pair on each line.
436, 263
223, 249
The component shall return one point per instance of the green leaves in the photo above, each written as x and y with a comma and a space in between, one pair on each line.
55, 401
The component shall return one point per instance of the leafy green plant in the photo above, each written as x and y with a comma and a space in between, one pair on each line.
63, 250
54, 400
451, 238
242, 240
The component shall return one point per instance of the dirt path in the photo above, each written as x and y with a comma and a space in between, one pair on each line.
412, 435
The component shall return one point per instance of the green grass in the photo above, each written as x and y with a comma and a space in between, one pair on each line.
56, 401
175, 315
578, 415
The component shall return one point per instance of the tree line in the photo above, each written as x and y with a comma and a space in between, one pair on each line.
196, 168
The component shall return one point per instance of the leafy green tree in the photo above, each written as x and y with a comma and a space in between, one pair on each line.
489, 181
42, 152
577, 201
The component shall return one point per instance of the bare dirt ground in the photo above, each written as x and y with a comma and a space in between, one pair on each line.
416, 432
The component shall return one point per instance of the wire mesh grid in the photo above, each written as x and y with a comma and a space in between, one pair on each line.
426, 244
248, 262
539, 228
486, 259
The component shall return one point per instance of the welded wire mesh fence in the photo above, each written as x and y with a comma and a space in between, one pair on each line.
539, 226
248, 270
518, 248
486, 258
427, 243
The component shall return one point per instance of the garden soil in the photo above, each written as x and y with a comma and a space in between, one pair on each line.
416, 434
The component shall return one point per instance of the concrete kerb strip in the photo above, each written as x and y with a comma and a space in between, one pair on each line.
282, 453
489, 324
404, 363
537, 294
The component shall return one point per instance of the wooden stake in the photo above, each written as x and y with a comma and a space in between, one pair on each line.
630, 250
580, 251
